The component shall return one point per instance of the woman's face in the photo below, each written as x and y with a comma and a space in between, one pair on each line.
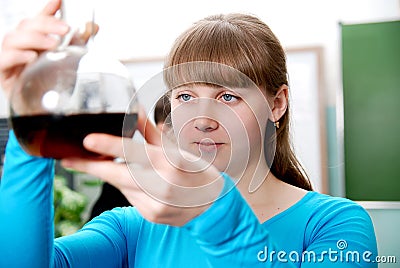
223, 126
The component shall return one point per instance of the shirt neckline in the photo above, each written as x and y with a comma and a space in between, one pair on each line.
290, 209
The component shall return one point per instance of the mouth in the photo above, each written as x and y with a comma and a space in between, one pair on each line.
208, 146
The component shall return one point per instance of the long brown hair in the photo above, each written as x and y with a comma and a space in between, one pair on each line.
247, 44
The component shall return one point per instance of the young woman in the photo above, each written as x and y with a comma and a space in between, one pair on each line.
233, 195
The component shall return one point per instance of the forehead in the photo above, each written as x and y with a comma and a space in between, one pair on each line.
210, 73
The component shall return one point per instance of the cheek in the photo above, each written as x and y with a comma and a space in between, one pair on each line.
177, 119
254, 126
182, 134
181, 126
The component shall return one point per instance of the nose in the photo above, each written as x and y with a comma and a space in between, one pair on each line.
205, 124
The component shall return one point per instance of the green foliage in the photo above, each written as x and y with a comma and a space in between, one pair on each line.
68, 208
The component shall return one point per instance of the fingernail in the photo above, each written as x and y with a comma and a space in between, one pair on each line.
63, 27
88, 142
31, 56
51, 41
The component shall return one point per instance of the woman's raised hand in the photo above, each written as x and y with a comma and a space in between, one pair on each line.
165, 184
31, 37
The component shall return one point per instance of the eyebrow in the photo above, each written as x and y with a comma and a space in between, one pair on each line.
240, 90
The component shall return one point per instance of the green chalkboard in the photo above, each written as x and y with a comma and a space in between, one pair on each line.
371, 98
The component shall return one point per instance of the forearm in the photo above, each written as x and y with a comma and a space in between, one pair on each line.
26, 209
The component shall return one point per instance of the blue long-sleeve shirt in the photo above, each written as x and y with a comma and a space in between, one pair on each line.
317, 231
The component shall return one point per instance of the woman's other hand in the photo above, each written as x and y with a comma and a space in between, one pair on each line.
166, 185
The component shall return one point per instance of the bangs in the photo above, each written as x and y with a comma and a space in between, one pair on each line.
210, 41
205, 72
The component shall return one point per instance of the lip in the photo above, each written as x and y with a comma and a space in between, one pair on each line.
209, 146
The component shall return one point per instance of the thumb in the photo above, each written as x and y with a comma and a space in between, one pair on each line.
148, 130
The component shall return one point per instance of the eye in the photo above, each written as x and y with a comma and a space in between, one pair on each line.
228, 98
184, 97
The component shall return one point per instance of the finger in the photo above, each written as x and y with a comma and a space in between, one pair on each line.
117, 147
28, 40
51, 7
108, 171
149, 131
79, 38
91, 29
45, 25
104, 144
15, 58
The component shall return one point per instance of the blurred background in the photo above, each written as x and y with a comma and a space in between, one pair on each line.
320, 41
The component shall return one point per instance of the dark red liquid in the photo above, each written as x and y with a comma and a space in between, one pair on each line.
60, 136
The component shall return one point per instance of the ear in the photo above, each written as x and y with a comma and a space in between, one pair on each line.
279, 103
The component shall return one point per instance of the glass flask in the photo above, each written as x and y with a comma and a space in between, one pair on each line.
69, 93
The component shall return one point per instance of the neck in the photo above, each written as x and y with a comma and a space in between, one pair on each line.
265, 193
256, 181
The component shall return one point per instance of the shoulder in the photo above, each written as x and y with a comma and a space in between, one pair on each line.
334, 210
314, 207
317, 213
330, 206
339, 218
